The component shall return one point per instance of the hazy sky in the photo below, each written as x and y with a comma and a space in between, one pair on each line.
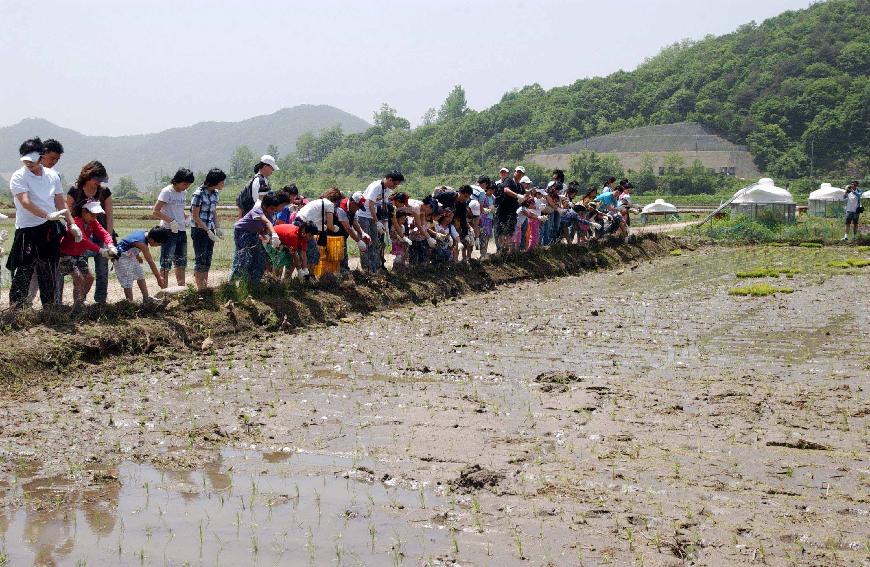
130, 66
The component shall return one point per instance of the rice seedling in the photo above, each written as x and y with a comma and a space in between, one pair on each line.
758, 290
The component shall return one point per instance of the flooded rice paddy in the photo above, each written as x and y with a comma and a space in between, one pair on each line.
637, 416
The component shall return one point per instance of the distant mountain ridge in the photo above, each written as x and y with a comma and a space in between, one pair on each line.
199, 147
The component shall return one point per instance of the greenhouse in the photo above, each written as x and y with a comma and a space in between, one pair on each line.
826, 201
657, 208
764, 200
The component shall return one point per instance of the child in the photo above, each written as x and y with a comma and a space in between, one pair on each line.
446, 238
487, 211
249, 260
401, 243
72, 252
128, 265
292, 250
527, 214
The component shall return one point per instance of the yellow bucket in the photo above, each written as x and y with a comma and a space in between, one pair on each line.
334, 248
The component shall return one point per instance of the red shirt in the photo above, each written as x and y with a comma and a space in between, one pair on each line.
69, 246
289, 236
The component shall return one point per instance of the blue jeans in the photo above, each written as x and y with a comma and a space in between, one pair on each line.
203, 250
312, 253
249, 261
174, 251
370, 260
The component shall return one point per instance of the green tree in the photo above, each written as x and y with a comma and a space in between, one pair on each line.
272, 150
386, 119
429, 117
126, 190
242, 163
454, 106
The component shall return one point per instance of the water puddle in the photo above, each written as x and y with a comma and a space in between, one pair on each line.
245, 508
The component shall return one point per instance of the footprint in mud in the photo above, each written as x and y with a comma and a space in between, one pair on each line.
557, 381
475, 477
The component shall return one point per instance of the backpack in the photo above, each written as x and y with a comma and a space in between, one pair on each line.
245, 200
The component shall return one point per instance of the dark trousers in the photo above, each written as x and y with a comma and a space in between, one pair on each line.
35, 249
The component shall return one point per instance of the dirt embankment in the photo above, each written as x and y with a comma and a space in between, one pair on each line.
35, 344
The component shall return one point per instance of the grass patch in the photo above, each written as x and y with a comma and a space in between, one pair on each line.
676, 252
810, 245
768, 273
758, 290
779, 244
849, 263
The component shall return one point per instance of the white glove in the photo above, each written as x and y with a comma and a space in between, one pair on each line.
57, 215
113, 252
521, 197
367, 238
431, 242
304, 272
595, 225
76, 232
4, 234
442, 237
362, 245
406, 240
276, 242
335, 228
219, 232
461, 246
173, 226
469, 239
212, 236
104, 252
544, 218
382, 227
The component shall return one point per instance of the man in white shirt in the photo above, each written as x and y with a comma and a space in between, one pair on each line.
39, 205
852, 197
373, 218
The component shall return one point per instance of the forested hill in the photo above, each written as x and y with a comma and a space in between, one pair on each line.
794, 87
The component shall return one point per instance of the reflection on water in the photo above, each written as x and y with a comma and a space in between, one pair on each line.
242, 509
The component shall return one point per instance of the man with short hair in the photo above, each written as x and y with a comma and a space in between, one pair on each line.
507, 195
853, 209
39, 205
373, 218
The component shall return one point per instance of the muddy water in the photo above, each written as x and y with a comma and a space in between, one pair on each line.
245, 508
640, 416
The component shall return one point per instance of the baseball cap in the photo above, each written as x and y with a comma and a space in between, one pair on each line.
521, 169
504, 169
358, 198
525, 179
93, 207
31, 157
269, 160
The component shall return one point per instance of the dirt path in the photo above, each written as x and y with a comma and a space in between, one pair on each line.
535, 424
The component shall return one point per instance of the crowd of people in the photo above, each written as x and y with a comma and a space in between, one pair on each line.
59, 233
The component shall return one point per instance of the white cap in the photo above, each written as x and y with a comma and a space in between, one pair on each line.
93, 207
521, 169
269, 160
357, 197
31, 157
506, 170
2, 216
525, 180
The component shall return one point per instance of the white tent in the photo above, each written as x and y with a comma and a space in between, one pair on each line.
827, 193
659, 206
763, 192
764, 198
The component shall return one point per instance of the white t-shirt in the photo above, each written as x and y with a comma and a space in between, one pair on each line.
376, 194
174, 207
852, 202
40, 188
474, 207
315, 211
